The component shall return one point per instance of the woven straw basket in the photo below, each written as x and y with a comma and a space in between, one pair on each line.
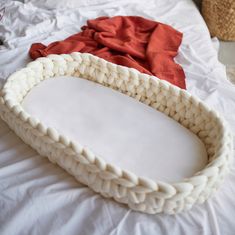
220, 18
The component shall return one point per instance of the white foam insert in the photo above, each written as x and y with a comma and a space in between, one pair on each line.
118, 128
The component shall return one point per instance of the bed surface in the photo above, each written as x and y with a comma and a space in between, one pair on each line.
37, 197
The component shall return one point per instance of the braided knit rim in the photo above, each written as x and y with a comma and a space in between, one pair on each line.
140, 194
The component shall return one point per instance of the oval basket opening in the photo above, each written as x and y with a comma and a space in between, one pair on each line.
122, 130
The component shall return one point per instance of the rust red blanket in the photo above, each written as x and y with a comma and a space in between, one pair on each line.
132, 41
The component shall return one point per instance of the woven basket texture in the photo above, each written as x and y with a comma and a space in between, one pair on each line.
220, 18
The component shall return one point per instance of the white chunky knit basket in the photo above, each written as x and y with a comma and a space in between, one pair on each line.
140, 194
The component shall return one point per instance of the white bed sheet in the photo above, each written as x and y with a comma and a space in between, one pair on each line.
37, 197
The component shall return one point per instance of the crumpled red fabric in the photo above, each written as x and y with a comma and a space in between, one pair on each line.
131, 41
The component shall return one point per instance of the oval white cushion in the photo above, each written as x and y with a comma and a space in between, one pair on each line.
118, 128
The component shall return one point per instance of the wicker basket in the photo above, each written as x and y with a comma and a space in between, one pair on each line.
220, 18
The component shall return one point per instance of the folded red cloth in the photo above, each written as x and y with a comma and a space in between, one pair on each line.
131, 41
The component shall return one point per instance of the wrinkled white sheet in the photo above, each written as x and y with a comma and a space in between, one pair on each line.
37, 197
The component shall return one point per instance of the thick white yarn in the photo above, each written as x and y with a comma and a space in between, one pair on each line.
141, 194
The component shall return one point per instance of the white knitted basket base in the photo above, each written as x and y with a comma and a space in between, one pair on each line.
141, 194
125, 132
